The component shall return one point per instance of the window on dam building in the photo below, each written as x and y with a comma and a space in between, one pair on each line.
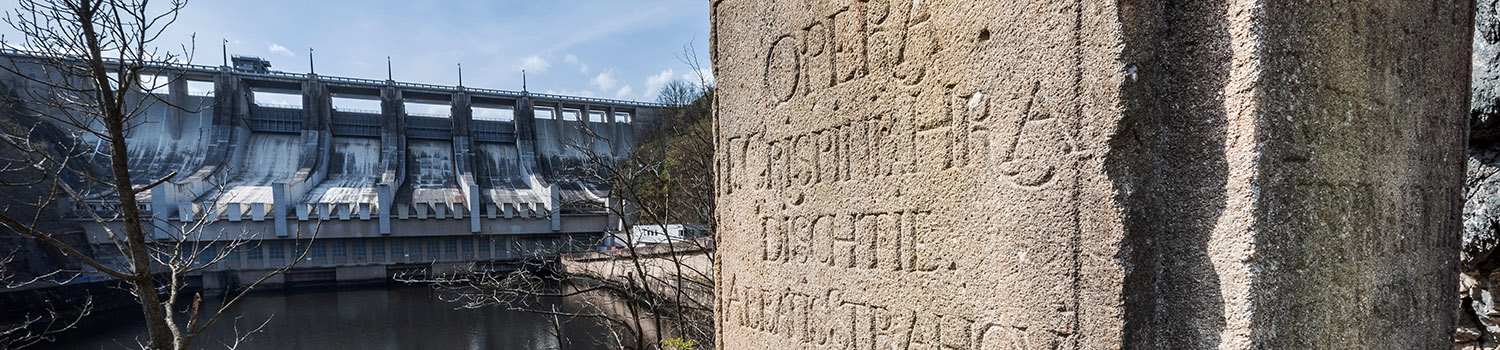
544, 113
274, 99
360, 105
499, 114
433, 110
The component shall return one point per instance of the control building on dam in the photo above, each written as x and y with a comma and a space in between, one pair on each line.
499, 176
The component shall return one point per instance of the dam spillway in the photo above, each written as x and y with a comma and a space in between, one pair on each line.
377, 187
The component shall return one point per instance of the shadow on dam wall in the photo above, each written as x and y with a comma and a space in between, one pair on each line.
1170, 170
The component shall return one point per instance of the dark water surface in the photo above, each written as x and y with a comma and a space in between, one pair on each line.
404, 317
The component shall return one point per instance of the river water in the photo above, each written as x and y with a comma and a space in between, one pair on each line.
397, 317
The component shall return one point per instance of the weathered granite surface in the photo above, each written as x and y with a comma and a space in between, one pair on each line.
1477, 328
986, 174
1486, 78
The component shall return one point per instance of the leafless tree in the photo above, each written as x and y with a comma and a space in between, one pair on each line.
82, 63
31, 329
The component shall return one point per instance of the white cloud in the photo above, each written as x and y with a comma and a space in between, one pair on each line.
534, 63
278, 49
573, 60
655, 82
624, 92
707, 76
605, 81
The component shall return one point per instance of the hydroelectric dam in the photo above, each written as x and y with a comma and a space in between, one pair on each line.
366, 193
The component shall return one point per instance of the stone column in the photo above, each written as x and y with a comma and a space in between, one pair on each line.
526, 135
280, 205
392, 153
227, 91
177, 93
585, 122
612, 132
232, 102
1089, 175
559, 133
317, 138
317, 105
463, 155
554, 207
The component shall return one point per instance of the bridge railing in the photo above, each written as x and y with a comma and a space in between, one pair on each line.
427, 115
274, 74
38, 55
285, 75
357, 111
351, 80
596, 99
508, 93
426, 86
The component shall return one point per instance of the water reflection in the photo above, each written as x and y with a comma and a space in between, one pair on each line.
363, 318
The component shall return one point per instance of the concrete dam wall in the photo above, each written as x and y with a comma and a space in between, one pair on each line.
1089, 174
380, 187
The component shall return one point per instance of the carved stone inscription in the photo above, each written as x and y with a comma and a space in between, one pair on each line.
1041, 174
883, 187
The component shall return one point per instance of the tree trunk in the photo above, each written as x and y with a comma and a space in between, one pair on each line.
135, 239
135, 235
156, 316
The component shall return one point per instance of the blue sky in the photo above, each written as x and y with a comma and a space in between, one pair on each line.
599, 48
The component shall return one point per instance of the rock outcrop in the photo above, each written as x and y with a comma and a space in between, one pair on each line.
1479, 319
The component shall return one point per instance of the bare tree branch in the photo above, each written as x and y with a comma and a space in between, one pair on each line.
81, 65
